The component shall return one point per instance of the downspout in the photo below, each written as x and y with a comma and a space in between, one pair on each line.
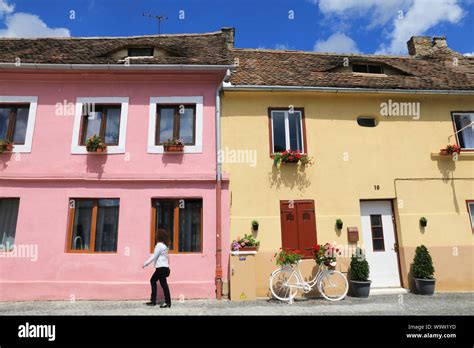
218, 278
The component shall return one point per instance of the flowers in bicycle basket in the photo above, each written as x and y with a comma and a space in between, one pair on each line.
247, 242
325, 254
288, 256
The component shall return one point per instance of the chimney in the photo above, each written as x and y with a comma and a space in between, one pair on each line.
229, 36
425, 45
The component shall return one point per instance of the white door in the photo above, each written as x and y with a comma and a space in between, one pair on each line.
379, 243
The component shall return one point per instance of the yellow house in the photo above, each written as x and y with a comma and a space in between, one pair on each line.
374, 127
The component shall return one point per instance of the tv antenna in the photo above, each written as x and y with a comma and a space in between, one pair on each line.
159, 19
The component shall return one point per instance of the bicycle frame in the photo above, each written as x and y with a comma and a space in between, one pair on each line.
321, 272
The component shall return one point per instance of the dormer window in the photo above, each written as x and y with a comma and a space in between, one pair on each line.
367, 68
140, 52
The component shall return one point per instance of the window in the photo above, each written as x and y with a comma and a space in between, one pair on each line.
17, 121
298, 225
287, 130
182, 219
366, 121
140, 52
175, 122
464, 126
470, 209
104, 116
8, 219
103, 121
13, 122
367, 68
174, 118
377, 233
93, 225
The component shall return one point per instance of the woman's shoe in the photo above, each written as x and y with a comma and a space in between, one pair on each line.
151, 303
165, 305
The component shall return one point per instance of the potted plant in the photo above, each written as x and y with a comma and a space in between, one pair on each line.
359, 275
95, 144
173, 145
290, 156
339, 224
6, 146
287, 257
325, 254
423, 222
423, 271
450, 149
255, 225
247, 243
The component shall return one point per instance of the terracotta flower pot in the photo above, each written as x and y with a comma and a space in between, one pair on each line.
173, 148
248, 248
443, 152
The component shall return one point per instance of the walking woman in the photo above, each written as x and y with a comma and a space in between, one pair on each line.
162, 271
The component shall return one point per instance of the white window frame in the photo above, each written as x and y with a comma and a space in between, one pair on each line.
287, 129
78, 149
457, 130
155, 101
33, 101
470, 210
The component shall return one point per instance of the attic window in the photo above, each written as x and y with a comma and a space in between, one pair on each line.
140, 52
367, 68
366, 121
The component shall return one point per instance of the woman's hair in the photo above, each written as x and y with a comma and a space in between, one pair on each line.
162, 236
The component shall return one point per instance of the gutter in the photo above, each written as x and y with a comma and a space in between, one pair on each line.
218, 277
231, 87
112, 67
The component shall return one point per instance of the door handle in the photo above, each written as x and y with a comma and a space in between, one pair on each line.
395, 247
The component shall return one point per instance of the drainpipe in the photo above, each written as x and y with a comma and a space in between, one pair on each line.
218, 278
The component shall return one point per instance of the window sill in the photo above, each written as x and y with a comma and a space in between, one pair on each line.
111, 150
464, 155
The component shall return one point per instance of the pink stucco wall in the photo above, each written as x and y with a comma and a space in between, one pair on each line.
47, 177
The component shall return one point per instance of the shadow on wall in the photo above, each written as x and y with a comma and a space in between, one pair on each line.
96, 163
4, 158
289, 176
447, 168
175, 158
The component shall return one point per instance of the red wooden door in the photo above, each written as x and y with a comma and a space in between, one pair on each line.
298, 225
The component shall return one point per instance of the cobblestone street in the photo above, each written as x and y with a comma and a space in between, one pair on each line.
406, 304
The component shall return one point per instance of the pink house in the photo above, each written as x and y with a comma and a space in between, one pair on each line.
78, 224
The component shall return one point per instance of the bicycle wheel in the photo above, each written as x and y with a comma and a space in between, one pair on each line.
333, 285
282, 282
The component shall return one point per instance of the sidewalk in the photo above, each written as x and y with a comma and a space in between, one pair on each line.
406, 304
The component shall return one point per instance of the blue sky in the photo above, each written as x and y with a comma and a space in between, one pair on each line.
365, 26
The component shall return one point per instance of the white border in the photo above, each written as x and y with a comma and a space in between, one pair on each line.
26, 147
287, 129
120, 148
154, 101
456, 130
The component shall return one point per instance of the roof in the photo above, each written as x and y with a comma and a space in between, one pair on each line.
194, 49
438, 71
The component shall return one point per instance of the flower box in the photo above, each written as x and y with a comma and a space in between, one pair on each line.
292, 157
249, 248
173, 148
94, 144
6, 146
450, 149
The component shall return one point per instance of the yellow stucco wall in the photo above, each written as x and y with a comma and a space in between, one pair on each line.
397, 155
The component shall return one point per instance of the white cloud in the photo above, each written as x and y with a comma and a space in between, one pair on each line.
282, 46
419, 18
470, 54
378, 11
5, 8
337, 43
19, 24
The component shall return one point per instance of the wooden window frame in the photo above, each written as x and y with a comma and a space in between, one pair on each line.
85, 120
270, 127
17, 217
175, 225
468, 202
93, 227
372, 232
453, 113
176, 122
12, 119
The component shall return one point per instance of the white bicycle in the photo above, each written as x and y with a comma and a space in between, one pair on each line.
287, 280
